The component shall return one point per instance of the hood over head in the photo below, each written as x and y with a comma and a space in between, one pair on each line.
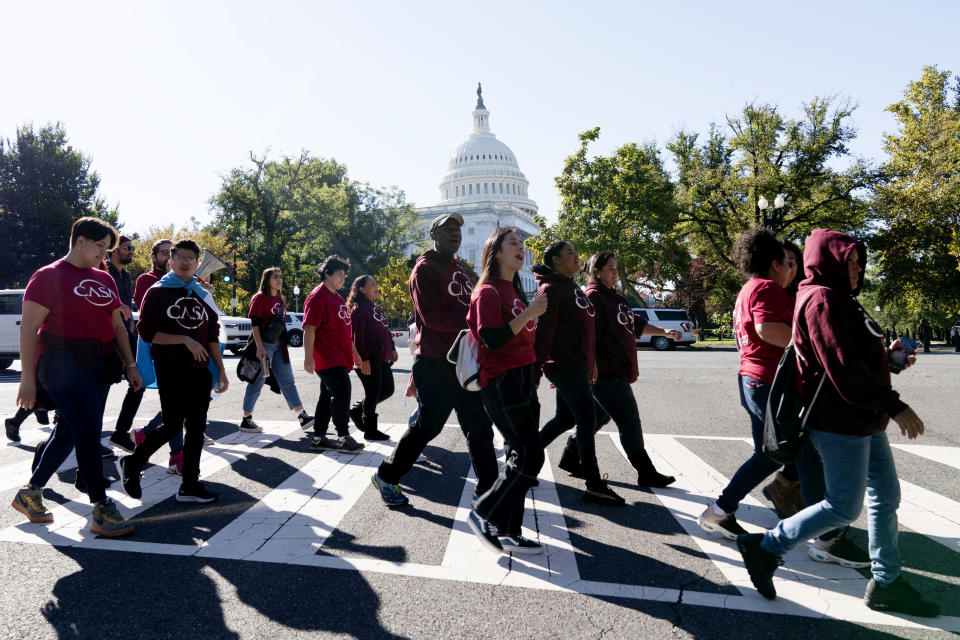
545, 274
825, 256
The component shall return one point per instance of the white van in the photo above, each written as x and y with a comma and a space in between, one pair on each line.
666, 319
11, 312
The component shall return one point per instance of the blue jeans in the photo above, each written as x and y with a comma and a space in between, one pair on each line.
79, 391
758, 467
852, 465
284, 375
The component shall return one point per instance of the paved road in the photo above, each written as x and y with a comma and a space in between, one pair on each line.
300, 545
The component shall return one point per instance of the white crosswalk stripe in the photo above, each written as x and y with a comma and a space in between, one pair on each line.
294, 520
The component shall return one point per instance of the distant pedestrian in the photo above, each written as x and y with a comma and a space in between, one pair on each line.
924, 334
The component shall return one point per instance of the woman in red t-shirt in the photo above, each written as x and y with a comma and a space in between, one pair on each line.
328, 350
70, 333
374, 343
762, 318
268, 312
504, 326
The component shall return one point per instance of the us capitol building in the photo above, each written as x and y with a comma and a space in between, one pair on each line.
484, 184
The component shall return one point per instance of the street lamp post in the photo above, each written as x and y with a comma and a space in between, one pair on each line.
776, 216
296, 293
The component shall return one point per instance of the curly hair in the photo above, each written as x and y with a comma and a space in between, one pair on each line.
754, 251
331, 265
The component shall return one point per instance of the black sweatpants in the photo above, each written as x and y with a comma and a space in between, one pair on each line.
439, 393
184, 400
511, 400
377, 387
334, 401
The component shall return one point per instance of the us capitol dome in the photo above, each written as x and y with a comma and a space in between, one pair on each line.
484, 184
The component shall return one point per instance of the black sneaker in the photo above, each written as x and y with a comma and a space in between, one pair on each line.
13, 430
760, 563
247, 425
306, 421
602, 494
841, 551
129, 478
570, 459
521, 545
42, 416
899, 597
485, 532
347, 444
195, 493
654, 479
107, 452
375, 435
123, 440
323, 443
726, 525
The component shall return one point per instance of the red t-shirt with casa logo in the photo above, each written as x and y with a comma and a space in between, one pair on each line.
493, 305
265, 307
81, 301
760, 300
332, 345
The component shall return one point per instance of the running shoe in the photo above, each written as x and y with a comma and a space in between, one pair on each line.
175, 466
759, 562
347, 444
13, 430
389, 493
195, 493
107, 521
520, 544
486, 533
726, 525
600, 493
323, 443
306, 421
129, 478
899, 597
29, 502
247, 425
123, 440
841, 551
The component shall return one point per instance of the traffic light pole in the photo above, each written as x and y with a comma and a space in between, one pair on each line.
234, 274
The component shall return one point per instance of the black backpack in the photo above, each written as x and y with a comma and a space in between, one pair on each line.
785, 419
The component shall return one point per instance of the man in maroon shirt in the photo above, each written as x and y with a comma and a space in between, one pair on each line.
441, 290
160, 257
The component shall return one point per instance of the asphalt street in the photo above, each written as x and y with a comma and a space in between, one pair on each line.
300, 545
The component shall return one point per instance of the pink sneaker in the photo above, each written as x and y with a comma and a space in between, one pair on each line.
176, 464
138, 436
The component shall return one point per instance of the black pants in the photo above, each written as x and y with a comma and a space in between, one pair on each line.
128, 411
511, 400
377, 387
439, 393
334, 401
184, 399
616, 399
575, 405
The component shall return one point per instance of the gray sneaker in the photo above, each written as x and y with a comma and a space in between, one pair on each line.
29, 502
347, 444
107, 521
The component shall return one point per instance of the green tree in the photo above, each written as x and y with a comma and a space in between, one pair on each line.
394, 282
622, 203
918, 247
45, 186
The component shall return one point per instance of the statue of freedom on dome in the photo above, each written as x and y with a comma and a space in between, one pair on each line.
480, 97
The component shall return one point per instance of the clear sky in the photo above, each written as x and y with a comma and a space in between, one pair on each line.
169, 96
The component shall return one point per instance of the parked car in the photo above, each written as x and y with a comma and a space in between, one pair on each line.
666, 319
238, 332
11, 311
294, 330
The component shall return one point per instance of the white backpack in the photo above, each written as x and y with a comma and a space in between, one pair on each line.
464, 355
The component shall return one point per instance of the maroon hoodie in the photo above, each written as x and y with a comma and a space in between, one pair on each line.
835, 334
617, 331
566, 335
440, 289
371, 331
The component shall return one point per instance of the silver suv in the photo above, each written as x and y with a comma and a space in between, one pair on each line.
666, 319
11, 312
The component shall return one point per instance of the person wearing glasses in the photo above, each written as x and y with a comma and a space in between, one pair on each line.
184, 331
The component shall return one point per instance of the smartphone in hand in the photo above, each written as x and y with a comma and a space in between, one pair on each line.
898, 357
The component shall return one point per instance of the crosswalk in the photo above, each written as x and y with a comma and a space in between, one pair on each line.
318, 501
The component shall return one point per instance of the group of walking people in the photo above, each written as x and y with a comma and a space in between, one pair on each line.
75, 342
